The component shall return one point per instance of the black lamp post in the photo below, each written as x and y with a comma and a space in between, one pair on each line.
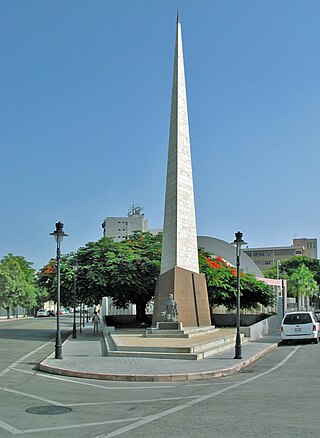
75, 270
80, 326
58, 235
83, 312
238, 242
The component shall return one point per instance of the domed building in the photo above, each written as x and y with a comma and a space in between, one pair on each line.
227, 251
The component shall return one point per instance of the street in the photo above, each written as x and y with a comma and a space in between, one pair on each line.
275, 397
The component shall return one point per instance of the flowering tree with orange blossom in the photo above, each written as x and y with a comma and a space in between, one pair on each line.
46, 281
222, 285
127, 272
124, 271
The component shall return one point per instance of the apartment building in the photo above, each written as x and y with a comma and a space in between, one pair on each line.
119, 228
264, 258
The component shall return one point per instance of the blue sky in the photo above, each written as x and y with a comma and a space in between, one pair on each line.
85, 90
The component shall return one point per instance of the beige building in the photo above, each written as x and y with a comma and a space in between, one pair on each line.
309, 246
119, 228
264, 258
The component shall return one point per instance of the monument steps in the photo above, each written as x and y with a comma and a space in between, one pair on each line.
184, 333
136, 345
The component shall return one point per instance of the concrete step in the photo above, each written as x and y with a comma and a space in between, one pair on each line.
184, 333
158, 350
154, 355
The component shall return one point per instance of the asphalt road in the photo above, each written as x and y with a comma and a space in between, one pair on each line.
276, 397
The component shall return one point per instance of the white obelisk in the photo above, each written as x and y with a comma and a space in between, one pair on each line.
179, 274
179, 246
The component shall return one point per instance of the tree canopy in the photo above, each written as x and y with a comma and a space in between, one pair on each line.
128, 271
17, 283
302, 282
46, 281
302, 273
125, 271
222, 285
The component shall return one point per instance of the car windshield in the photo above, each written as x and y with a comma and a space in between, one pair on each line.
297, 318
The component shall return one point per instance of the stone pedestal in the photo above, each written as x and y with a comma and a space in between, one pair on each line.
169, 325
190, 292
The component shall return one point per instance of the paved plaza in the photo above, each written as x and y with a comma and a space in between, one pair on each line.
87, 357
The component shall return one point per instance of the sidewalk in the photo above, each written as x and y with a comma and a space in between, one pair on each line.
86, 357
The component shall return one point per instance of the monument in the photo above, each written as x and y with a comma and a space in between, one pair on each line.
179, 273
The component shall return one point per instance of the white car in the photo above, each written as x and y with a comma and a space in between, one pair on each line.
42, 312
300, 325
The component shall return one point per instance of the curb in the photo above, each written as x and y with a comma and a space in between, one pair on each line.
13, 318
156, 377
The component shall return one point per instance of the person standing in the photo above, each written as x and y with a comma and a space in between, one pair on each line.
95, 320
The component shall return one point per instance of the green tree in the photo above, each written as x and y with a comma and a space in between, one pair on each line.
6, 288
42, 295
101, 264
128, 271
300, 267
17, 283
312, 264
47, 281
124, 271
146, 249
222, 285
302, 283
292, 264
28, 295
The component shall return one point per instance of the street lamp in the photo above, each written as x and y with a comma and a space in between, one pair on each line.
278, 268
75, 270
238, 242
283, 273
80, 326
298, 294
58, 235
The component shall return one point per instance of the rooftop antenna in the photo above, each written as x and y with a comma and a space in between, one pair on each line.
135, 210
